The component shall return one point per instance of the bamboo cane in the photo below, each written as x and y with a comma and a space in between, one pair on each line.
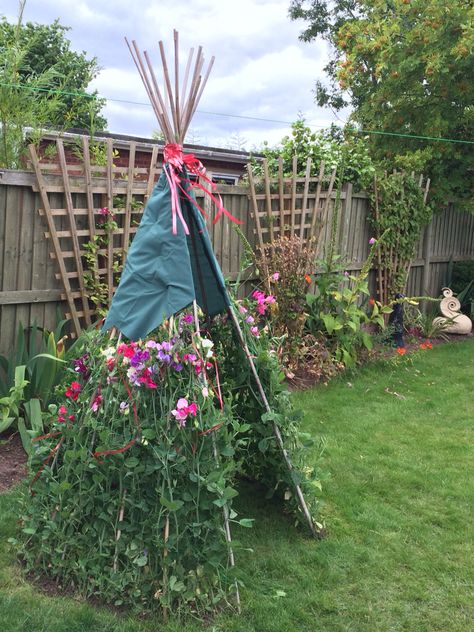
225, 511
276, 429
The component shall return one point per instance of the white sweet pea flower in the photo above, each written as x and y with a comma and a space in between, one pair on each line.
207, 345
109, 353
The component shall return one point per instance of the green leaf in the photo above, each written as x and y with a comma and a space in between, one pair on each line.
270, 416
149, 433
220, 502
331, 323
172, 505
246, 522
367, 340
230, 492
141, 561
131, 462
228, 450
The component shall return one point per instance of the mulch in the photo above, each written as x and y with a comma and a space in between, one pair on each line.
12, 460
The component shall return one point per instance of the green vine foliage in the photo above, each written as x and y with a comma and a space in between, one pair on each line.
133, 482
131, 507
333, 146
340, 310
96, 257
260, 456
400, 213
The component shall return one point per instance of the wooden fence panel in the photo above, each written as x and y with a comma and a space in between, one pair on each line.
30, 290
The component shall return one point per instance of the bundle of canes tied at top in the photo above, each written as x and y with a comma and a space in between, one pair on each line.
182, 105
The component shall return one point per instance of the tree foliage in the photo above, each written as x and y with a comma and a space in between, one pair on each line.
405, 66
42, 84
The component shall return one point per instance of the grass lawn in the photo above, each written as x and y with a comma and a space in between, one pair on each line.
399, 554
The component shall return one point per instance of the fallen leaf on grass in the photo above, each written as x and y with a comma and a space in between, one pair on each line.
387, 390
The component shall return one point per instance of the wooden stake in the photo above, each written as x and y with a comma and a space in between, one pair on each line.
119, 531
176, 84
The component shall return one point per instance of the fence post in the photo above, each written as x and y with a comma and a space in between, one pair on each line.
345, 218
426, 281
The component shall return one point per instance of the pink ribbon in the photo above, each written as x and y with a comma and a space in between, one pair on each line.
176, 160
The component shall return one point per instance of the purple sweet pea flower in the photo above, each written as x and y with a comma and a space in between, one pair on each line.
372, 241
80, 365
139, 358
164, 357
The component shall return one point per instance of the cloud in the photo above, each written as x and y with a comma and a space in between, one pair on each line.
262, 70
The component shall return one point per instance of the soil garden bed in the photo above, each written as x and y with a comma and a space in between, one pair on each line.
12, 460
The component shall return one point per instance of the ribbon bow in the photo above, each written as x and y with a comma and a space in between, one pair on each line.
176, 161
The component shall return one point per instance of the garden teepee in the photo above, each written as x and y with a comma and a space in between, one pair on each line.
171, 262
133, 498
168, 269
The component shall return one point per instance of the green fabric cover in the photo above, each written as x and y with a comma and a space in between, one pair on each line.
163, 272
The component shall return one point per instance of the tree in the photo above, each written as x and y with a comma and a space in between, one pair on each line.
42, 84
405, 67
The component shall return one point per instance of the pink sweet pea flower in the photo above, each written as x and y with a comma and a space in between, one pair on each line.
97, 402
192, 409
372, 241
182, 410
275, 276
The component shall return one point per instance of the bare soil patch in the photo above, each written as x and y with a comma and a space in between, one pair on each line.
12, 460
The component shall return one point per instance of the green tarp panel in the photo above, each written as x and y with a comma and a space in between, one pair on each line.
163, 272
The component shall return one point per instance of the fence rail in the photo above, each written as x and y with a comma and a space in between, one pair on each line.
30, 290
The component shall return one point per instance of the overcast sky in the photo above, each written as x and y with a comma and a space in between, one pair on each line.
261, 70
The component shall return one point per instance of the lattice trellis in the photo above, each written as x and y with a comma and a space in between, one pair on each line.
290, 206
90, 246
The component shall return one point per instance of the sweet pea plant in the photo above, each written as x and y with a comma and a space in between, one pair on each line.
134, 477
259, 456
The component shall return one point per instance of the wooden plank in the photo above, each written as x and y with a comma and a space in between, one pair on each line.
25, 255
16, 297
72, 224
88, 185
268, 199
9, 323
425, 282
110, 206
54, 239
281, 196
255, 209
152, 173
304, 201
293, 195
312, 231
65, 234
128, 201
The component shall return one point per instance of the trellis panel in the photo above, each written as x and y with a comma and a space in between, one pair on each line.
90, 257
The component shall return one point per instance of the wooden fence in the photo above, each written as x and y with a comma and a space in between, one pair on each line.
31, 291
